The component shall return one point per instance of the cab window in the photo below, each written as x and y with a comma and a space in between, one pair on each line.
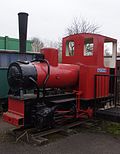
70, 48
88, 47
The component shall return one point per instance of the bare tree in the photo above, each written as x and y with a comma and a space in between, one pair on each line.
37, 44
82, 26
55, 44
107, 52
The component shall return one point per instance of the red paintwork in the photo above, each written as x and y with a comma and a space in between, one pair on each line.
12, 118
97, 58
16, 106
87, 76
62, 76
88, 64
15, 111
77, 72
51, 55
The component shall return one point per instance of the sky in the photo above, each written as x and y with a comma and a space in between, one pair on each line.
48, 19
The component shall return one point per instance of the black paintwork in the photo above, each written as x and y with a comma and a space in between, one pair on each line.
19, 73
22, 18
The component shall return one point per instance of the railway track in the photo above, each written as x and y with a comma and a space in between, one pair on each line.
38, 137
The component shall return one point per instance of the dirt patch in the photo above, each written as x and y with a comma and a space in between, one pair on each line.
5, 131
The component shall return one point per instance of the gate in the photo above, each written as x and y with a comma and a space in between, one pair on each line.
107, 90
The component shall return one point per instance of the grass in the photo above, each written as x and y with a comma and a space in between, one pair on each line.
100, 126
111, 127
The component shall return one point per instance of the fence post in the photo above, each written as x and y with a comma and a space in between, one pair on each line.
6, 42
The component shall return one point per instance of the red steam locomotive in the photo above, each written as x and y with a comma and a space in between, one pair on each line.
63, 91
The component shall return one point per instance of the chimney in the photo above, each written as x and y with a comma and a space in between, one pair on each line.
22, 20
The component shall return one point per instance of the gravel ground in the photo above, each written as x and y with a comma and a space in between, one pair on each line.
4, 126
80, 143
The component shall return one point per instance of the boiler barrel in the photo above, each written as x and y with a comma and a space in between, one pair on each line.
61, 76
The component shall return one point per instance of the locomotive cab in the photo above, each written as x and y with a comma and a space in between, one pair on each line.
90, 52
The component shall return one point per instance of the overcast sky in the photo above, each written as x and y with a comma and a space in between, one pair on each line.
48, 19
